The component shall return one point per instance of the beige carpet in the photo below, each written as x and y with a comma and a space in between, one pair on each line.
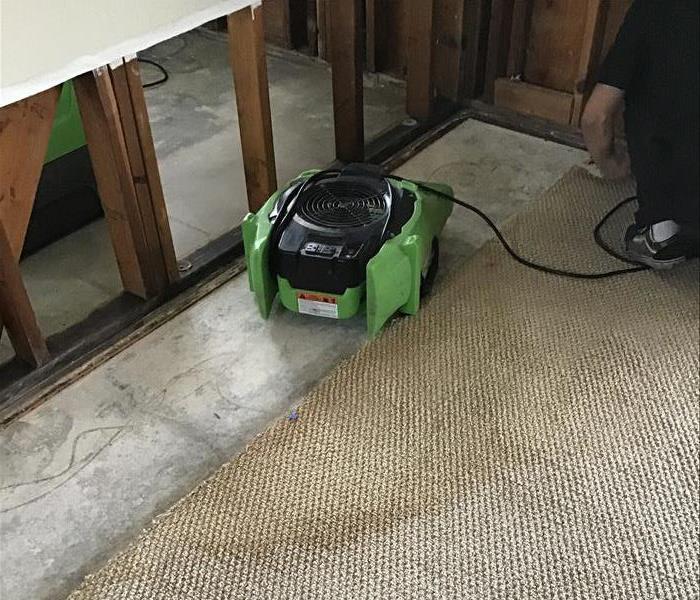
524, 437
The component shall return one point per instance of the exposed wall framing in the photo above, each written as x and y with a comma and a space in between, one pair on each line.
438, 43
286, 22
543, 55
532, 57
536, 57
110, 99
116, 124
247, 57
346, 59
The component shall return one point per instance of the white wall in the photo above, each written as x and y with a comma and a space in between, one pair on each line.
46, 42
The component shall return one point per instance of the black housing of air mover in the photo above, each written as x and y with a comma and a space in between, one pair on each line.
338, 222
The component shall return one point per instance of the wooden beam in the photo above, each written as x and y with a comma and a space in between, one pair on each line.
25, 128
372, 30
591, 47
278, 30
247, 57
500, 27
323, 21
448, 50
520, 27
312, 27
476, 29
452, 66
420, 85
286, 22
16, 309
110, 161
145, 174
554, 43
391, 19
534, 100
346, 62
137, 173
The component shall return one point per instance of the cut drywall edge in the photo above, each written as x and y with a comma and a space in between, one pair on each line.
83, 64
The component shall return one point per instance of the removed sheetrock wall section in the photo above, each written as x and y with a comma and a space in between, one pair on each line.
70, 37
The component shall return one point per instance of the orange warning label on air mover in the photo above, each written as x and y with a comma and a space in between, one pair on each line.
317, 298
318, 305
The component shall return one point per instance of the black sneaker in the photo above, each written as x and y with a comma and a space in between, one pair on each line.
642, 248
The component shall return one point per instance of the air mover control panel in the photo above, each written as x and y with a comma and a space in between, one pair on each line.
320, 250
335, 240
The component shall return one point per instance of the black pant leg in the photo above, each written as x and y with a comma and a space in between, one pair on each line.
686, 191
650, 193
666, 170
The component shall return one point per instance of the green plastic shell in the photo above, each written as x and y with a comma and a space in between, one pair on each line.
393, 274
348, 304
67, 130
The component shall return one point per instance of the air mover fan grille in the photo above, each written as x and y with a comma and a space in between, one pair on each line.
343, 204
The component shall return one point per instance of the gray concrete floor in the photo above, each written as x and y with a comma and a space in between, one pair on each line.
195, 127
85, 472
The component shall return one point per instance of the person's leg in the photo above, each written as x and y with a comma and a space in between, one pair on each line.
667, 209
686, 193
654, 181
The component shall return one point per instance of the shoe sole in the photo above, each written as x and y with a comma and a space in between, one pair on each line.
657, 265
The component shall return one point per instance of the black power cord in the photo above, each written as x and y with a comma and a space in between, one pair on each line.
165, 76
533, 265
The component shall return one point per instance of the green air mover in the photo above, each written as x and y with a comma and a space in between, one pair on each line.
335, 242
67, 131
66, 198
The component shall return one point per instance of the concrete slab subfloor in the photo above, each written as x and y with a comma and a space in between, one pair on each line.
195, 128
85, 472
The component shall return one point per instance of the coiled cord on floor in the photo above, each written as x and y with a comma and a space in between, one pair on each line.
164, 73
531, 264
